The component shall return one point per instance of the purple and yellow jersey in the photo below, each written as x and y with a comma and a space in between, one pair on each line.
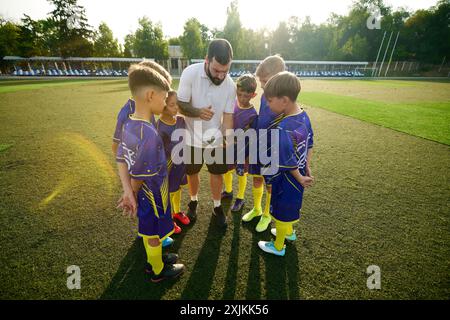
293, 142
142, 150
244, 118
177, 172
123, 116
287, 192
310, 130
267, 119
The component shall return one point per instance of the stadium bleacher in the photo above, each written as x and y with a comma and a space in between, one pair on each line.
354, 73
124, 73
71, 73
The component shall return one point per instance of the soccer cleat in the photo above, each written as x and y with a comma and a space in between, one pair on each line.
182, 218
227, 195
263, 223
269, 247
290, 237
170, 271
251, 215
192, 210
176, 229
167, 242
220, 216
238, 205
169, 258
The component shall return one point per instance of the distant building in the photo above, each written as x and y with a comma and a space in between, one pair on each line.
176, 62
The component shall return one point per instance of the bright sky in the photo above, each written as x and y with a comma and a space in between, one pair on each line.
122, 16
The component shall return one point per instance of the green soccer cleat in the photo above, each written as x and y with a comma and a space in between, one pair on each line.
290, 237
269, 247
251, 214
263, 223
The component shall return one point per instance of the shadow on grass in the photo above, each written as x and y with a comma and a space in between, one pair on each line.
130, 282
281, 273
199, 284
231, 279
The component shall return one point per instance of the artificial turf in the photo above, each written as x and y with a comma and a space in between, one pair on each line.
380, 198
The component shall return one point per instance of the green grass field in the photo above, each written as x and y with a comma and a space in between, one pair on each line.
381, 197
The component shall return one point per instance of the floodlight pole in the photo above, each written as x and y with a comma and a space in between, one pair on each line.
378, 55
385, 52
390, 58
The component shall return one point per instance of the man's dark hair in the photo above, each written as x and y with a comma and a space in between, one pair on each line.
221, 50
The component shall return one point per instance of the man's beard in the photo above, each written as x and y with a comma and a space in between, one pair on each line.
216, 81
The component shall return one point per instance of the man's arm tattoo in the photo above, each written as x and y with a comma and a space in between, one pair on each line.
188, 110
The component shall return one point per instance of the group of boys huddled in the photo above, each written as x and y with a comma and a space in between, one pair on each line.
152, 182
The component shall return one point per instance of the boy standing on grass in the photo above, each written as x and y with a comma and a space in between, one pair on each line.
288, 183
244, 117
129, 106
128, 201
169, 122
142, 150
269, 67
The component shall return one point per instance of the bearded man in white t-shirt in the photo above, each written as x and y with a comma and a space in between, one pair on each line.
206, 96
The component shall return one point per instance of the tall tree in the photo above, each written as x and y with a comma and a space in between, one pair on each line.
128, 46
105, 45
73, 33
9, 38
149, 41
233, 28
192, 40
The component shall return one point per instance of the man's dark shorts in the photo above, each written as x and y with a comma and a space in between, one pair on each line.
196, 164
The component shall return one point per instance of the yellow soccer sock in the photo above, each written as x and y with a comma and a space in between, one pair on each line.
242, 183
267, 206
257, 197
282, 231
172, 206
228, 181
175, 201
154, 256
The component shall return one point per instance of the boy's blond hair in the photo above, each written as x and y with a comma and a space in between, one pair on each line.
140, 76
157, 67
283, 84
270, 66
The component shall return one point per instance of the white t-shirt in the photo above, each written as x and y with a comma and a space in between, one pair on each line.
197, 89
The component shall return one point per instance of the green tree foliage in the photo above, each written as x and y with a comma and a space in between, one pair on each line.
104, 43
72, 33
192, 41
9, 38
233, 28
149, 41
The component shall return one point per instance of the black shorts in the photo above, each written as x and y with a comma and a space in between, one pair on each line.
218, 166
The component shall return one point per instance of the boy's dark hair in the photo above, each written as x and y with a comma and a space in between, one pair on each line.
170, 94
157, 67
140, 76
221, 50
283, 84
247, 83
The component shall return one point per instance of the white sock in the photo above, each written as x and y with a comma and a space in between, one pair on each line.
194, 198
216, 203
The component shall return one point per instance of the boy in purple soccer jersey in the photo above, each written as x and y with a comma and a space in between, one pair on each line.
166, 125
244, 118
267, 120
128, 201
293, 150
129, 106
142, 150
